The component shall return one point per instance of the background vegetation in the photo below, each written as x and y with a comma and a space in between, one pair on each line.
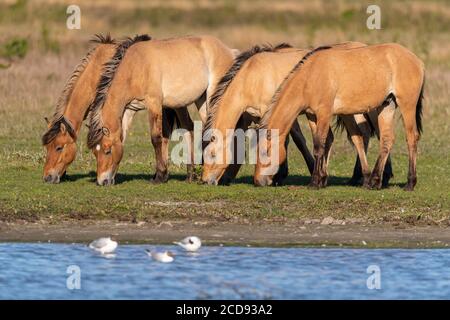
38, 53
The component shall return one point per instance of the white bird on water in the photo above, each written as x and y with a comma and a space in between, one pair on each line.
164, 257
190, 243
103, 245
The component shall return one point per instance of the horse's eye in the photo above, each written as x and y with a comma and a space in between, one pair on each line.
213, 138
59, 148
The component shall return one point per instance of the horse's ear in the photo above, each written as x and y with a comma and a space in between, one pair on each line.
63, 128
46, 120
105, 131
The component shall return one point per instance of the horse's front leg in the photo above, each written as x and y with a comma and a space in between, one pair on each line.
322, 144
233, 168
300, 142
160, 142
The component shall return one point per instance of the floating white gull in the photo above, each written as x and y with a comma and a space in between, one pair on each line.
190, 243
164, 257
103, 245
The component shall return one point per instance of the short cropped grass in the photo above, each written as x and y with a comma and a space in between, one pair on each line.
31, 82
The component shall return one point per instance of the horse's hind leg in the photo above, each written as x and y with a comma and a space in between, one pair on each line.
187, 124
386, 127
300, 142
408, 108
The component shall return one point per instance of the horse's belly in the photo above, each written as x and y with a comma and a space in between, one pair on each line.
183, 92
358, 103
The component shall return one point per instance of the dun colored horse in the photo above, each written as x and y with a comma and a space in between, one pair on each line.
71, 109
343, 82
247, 89
149, 75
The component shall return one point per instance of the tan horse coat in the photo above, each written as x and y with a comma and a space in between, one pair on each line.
329, 82
248, 87
151, 74
72, 107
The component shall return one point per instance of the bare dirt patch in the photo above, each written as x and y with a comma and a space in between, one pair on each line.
213, 233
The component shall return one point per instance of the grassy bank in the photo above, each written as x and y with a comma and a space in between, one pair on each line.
34, 72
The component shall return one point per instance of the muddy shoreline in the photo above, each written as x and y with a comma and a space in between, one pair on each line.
232, 233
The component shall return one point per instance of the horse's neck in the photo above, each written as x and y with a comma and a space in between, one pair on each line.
75, 114
84, 90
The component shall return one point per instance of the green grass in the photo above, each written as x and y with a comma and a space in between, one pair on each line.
30, 87
23, 195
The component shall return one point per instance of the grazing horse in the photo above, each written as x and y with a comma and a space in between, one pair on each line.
247, 89
151, 74
71, 109
343, 82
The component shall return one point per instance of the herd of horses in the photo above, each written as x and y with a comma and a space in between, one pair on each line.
265, 86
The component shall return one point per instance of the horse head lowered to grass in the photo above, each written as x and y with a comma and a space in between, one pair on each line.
72, 107
152, 75
341, 82
248, 89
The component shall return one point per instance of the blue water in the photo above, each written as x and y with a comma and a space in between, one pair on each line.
39, 271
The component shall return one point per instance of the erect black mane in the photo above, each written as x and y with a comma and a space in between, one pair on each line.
109, 69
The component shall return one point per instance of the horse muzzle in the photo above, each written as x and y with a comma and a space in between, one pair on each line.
105, 179
52, 178
262, 181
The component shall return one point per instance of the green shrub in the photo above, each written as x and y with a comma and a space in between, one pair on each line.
16, 47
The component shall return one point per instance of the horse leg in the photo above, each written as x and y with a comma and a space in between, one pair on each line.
160, 142
126, 122
283, 170
408, 109
300, 142
232, 169
328, 144
187, 124
319, 176
359, 136
372, 117
386, 127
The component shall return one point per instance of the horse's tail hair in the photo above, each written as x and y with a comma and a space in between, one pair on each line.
339, 125
419, 109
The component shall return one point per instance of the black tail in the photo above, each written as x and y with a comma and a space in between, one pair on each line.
339, 125
170, 121
419, 109
373, 131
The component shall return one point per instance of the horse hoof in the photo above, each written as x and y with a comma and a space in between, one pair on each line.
408, 187
313, 186
191, 178
366, 186
158, 179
